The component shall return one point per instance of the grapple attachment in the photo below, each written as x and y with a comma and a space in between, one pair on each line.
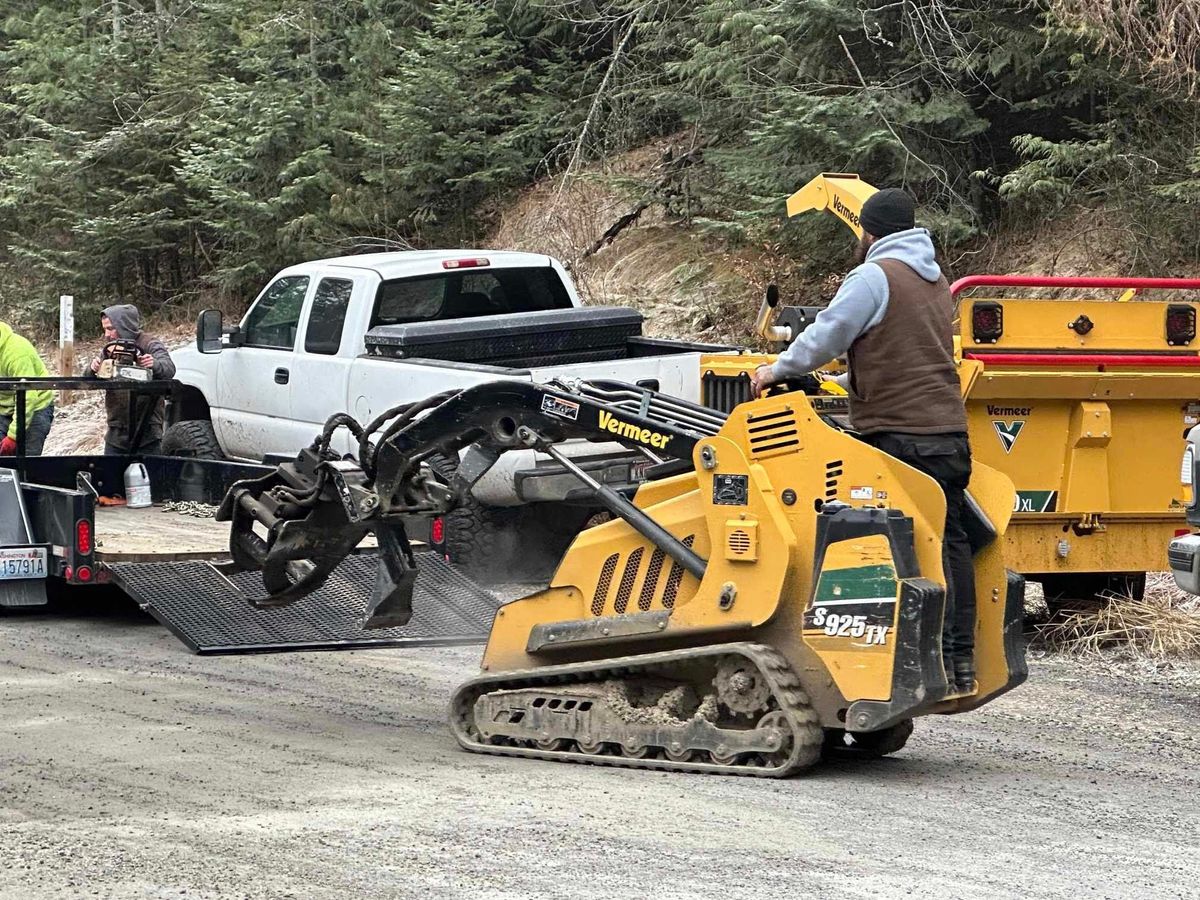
299, 522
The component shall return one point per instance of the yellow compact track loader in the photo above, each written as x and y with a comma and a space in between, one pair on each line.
734, 616
1083, 403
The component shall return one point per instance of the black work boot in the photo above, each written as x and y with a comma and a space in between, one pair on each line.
948, 665
964, 675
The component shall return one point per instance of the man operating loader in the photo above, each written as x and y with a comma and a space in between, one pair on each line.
892, 318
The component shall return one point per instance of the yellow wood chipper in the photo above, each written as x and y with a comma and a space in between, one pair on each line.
1083, 403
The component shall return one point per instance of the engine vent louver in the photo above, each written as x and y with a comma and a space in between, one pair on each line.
773, 432
833, 469
671, 591
606, 577
628, 577
650, 585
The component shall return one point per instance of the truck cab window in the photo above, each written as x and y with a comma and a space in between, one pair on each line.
465, 295
409, 300
275, 319
327, 317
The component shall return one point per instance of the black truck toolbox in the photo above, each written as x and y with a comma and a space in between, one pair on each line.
517, 339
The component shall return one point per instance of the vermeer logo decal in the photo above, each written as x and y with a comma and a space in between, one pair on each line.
846, 212
1008, 432
609, 422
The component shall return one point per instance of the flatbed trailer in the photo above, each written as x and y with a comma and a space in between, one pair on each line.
58, 538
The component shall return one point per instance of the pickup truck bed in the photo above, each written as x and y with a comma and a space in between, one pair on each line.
153, 534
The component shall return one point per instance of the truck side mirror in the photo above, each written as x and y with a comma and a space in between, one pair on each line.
208, 331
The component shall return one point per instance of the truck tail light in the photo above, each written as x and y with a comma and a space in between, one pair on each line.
83, 537
1181, 324
987, 321
83, 573
437, 532
475, 263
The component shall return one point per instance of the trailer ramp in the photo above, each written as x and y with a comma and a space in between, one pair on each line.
209, 609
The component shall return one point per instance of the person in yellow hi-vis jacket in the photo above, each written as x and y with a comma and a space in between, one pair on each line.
19, 359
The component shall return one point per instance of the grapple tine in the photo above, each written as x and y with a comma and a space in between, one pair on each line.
391, 598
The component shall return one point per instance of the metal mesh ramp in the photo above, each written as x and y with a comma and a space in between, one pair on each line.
211, 613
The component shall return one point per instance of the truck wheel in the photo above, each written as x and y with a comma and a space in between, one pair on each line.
511, 544
193, 438
495, 544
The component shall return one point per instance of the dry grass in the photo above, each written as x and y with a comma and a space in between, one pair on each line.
1163, 625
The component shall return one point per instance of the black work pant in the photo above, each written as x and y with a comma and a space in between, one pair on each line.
946, 458
117, 444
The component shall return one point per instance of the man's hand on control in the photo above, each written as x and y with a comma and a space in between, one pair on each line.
8, 447
762, 379
95, 365
145, 360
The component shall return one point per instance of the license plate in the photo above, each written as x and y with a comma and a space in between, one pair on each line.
22, 562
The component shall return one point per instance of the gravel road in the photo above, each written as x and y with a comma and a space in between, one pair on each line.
133, 769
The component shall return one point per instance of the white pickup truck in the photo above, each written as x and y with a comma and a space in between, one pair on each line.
362, 334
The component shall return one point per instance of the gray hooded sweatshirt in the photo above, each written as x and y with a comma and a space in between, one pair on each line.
858, 306
128, 323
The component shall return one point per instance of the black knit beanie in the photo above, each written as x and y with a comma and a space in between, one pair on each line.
887, 212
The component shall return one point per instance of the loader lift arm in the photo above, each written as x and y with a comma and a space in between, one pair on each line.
315, 510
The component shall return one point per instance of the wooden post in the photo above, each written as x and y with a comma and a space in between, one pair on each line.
66, 343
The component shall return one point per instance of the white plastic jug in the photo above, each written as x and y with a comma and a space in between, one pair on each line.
137, 486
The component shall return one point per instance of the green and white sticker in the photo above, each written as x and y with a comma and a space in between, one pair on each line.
1008, 432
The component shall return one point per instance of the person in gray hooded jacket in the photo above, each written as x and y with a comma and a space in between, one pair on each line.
124, 323
893, 319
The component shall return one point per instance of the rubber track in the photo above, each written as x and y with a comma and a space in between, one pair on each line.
807, 734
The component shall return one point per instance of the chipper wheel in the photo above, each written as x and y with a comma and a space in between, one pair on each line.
734, 709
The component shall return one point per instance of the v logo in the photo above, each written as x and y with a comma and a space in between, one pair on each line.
1008, 432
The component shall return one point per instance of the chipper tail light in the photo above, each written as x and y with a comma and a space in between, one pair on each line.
987, 321
474, 263
83, 537
1181, 324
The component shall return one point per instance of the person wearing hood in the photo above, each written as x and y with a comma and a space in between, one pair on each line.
19, 359
123, 323
893, 320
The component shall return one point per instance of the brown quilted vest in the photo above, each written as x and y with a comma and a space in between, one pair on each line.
902, 372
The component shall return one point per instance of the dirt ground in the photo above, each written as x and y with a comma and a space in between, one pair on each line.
134, 769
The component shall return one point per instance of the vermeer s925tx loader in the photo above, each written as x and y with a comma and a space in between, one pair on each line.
731, 618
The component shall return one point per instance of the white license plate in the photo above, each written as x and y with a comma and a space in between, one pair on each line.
22, 562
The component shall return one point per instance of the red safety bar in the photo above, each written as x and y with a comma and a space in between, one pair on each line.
1066, 281
1139, 360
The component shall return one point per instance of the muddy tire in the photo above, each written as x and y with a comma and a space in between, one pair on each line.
495, 544
192, 438
869, 743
